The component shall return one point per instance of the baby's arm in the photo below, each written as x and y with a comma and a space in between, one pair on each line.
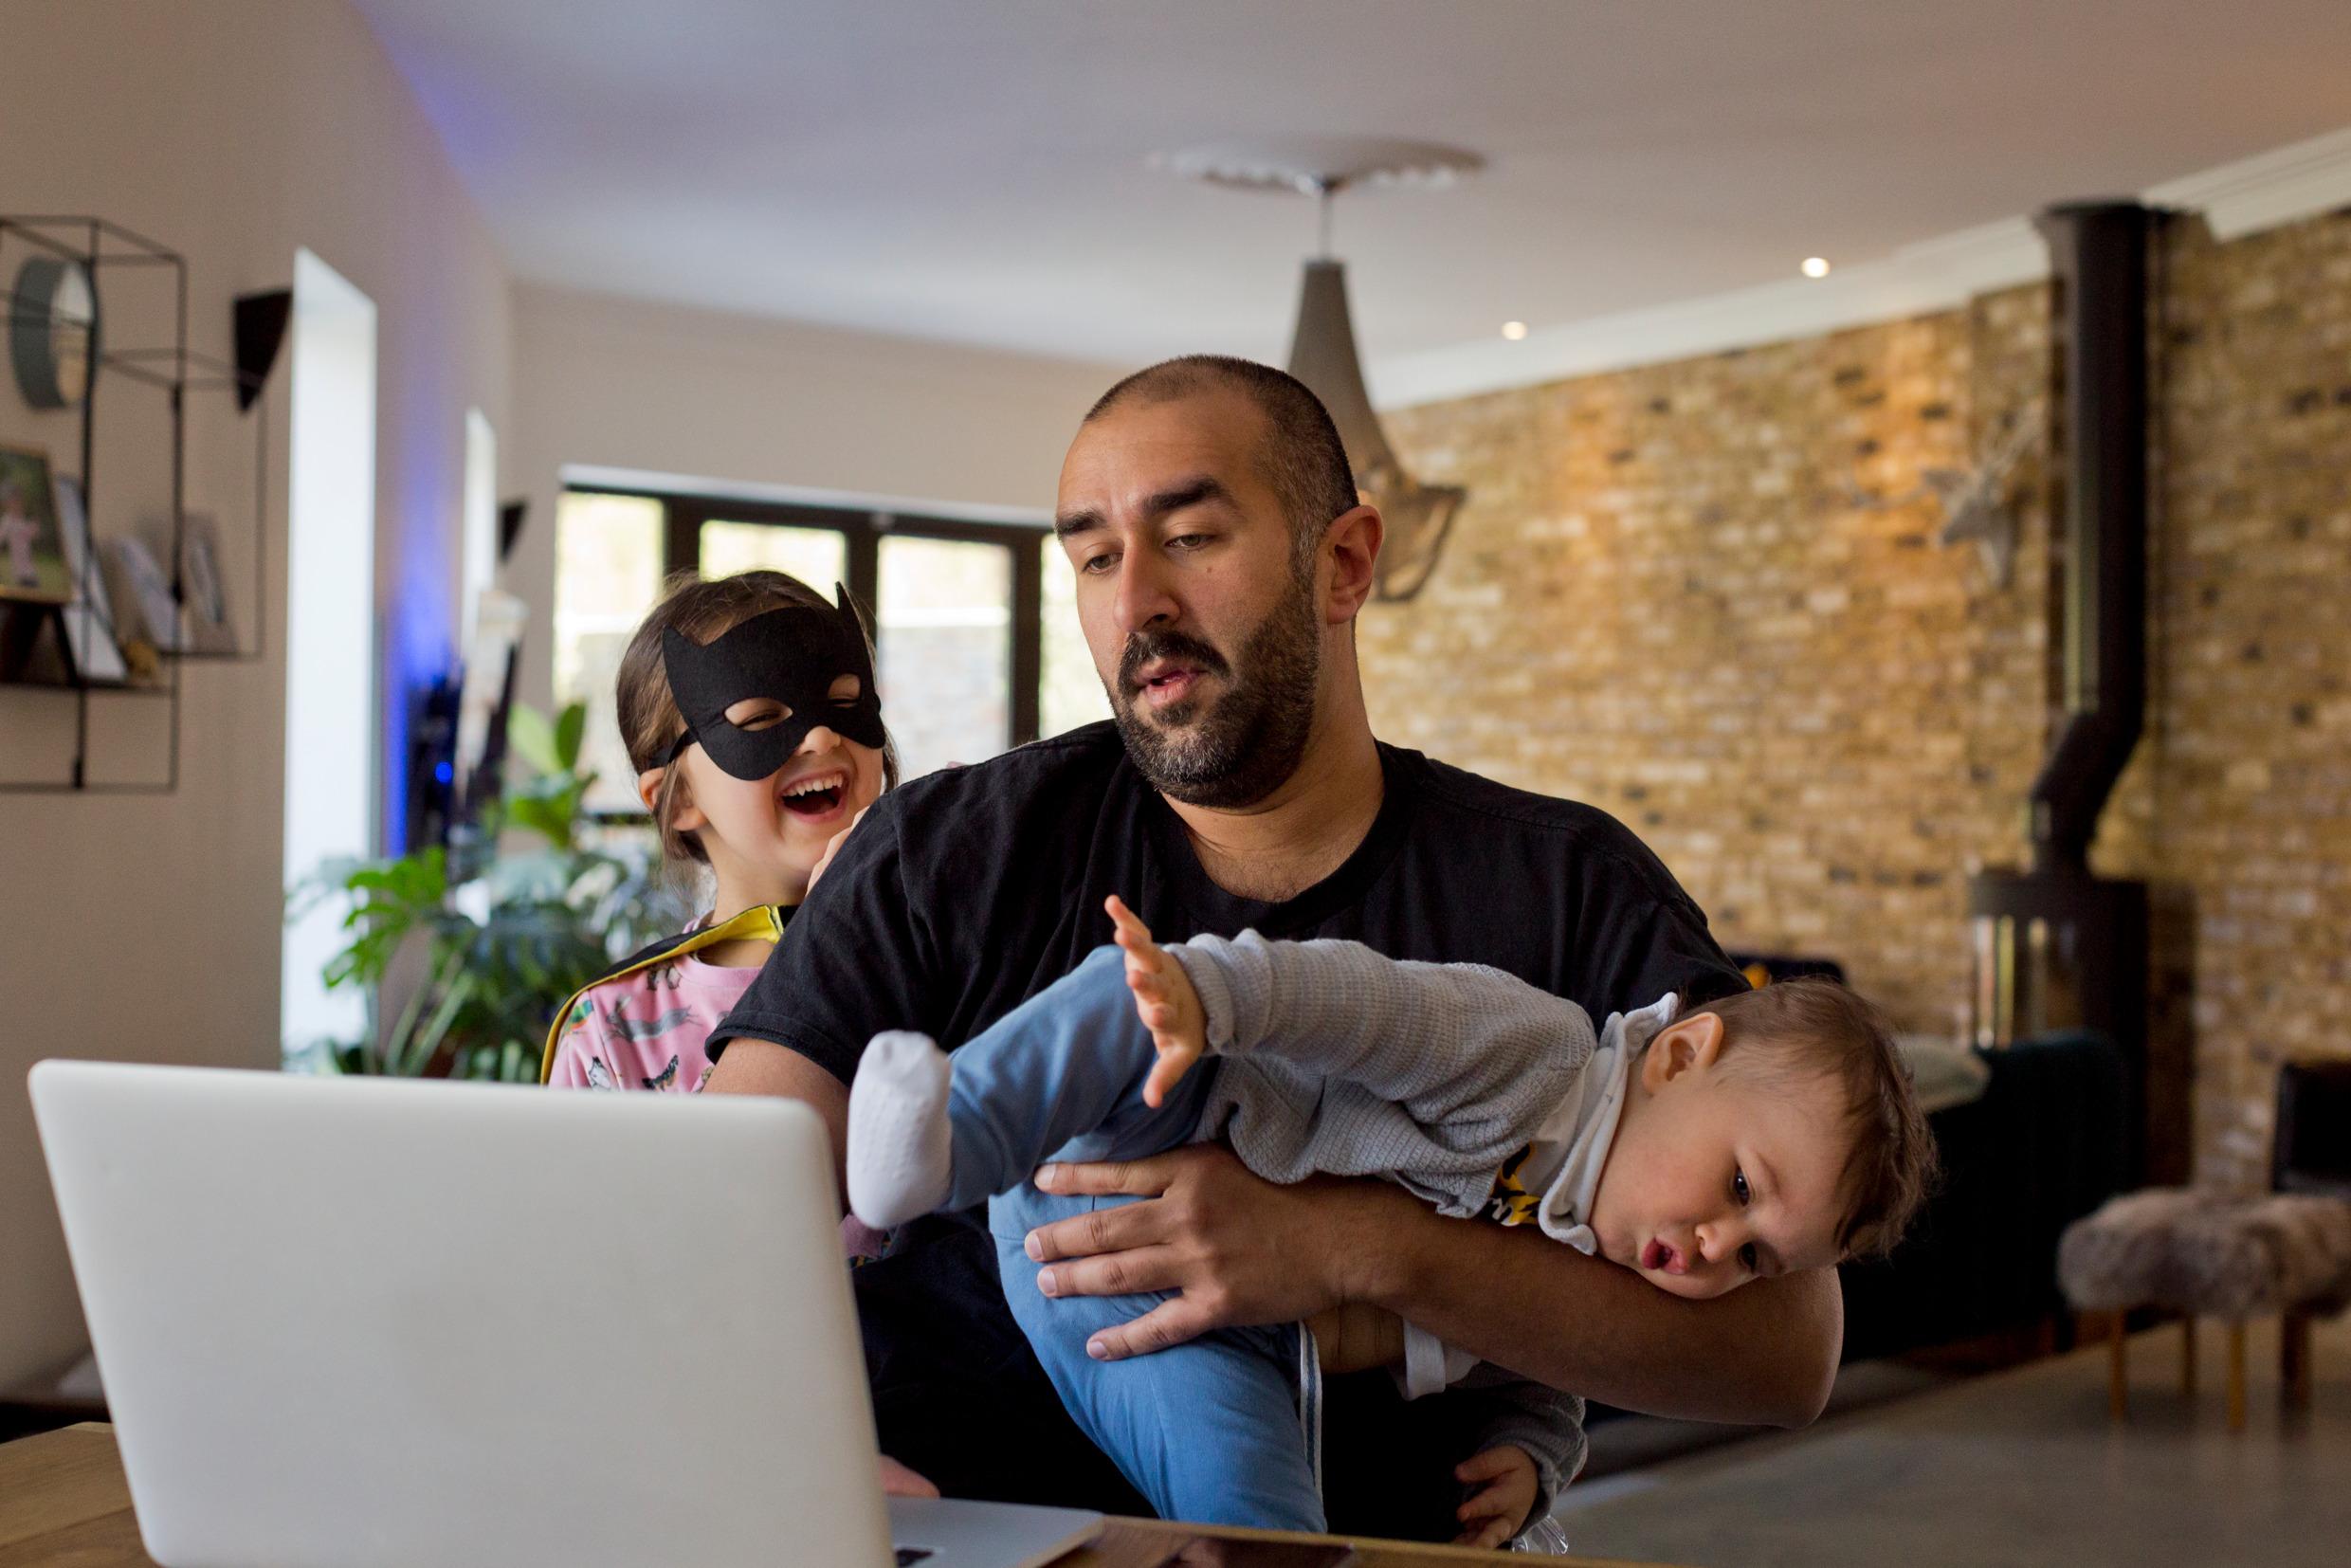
1515, 1412
1164, 1000
1448, 1042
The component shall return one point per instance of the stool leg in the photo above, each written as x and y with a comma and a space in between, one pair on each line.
2118, 1367
2187, 1355
2236, 1375
2294, 1360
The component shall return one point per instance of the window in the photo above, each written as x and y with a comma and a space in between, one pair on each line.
331, 794
977, 639
477, 555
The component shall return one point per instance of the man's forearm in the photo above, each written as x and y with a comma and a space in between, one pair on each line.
752, 1066
1765, 1353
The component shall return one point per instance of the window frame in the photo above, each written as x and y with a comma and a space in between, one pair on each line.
863, 530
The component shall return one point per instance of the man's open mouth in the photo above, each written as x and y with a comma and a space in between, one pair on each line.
817, 795
1659, 1258
1163, 682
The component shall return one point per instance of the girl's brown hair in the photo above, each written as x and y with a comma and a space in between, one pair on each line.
649, 720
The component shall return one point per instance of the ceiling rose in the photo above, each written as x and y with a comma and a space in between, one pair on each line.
1315, 166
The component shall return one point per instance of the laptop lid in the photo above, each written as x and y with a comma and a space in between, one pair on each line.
355, 1321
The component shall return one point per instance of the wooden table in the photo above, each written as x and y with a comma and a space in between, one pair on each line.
63, 1500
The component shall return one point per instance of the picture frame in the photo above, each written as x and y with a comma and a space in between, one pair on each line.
32, 556
89, 615
206, 622
143, 589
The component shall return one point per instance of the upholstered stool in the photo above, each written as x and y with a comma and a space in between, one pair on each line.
2213, 1255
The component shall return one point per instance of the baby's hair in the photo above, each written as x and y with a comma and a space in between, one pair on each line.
648, 710
1811, 1027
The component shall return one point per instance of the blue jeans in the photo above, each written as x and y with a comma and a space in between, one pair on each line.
1209, 1430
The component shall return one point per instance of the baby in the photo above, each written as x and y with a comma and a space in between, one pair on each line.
1761, 1135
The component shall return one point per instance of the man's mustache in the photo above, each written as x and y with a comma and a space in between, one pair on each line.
1142, 647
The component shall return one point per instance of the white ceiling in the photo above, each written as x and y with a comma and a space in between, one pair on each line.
976, 169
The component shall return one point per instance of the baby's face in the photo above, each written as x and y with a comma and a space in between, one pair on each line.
1714, 1179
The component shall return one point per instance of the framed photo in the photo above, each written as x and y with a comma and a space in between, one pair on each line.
32, 557
205, 620
143, 589
89, 615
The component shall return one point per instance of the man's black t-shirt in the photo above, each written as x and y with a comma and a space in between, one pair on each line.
966, 892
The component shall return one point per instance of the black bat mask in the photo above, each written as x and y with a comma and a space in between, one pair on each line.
792, 656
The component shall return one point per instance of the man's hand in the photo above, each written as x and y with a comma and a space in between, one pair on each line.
1165, 1000
1240, 1249
897, 1481
1504, 1478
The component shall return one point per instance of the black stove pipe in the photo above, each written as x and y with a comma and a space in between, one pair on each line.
2100, 255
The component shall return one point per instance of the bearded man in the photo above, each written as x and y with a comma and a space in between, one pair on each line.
1221, 554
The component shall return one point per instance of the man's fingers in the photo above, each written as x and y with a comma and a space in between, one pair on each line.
1167, 1324
1130, 1271
1099, 1179
897, 1481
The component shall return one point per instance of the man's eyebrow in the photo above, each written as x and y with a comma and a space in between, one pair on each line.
1196, 491
1192, 492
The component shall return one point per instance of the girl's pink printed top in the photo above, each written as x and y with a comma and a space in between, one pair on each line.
648, 1030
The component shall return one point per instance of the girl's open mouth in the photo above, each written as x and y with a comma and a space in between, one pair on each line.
819, 795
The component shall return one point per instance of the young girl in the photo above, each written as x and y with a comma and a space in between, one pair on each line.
749, 711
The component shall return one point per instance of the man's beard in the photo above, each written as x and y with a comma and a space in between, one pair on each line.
1247, 743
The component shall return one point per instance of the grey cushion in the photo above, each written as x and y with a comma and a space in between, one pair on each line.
2210, 1254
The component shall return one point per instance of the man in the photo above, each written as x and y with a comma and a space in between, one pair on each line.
1221, 554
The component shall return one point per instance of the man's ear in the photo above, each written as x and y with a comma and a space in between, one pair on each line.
1352, 545
1695, 1042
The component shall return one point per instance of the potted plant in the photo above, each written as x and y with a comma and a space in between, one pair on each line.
498, 927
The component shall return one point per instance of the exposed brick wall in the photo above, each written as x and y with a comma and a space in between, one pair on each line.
1693, 593
2252, 776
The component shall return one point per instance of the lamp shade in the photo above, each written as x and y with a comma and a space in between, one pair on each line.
1417, 516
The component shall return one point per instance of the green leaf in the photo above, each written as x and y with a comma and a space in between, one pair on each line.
569, 728
531, 737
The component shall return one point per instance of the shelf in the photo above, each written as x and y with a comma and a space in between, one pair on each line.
136, 280
95, 688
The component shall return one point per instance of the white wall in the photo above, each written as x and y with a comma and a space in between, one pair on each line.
233, 131
617, 383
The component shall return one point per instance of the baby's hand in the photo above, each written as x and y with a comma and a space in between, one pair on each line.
1164, 1000
1504, 1478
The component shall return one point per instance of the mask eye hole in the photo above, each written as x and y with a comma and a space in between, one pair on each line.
845, 690
757, 713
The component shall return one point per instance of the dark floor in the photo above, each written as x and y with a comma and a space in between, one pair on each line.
2019, 1467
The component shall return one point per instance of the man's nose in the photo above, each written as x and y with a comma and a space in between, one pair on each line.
818, 740
1143, 597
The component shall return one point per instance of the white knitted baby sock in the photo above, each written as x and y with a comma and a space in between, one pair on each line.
902, 1151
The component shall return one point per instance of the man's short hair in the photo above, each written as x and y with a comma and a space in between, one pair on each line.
1793, 1029
1304, 460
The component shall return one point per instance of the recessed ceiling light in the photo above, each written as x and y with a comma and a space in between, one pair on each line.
1514, 330
1816, 267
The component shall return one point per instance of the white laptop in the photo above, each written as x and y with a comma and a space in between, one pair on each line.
357, 1321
